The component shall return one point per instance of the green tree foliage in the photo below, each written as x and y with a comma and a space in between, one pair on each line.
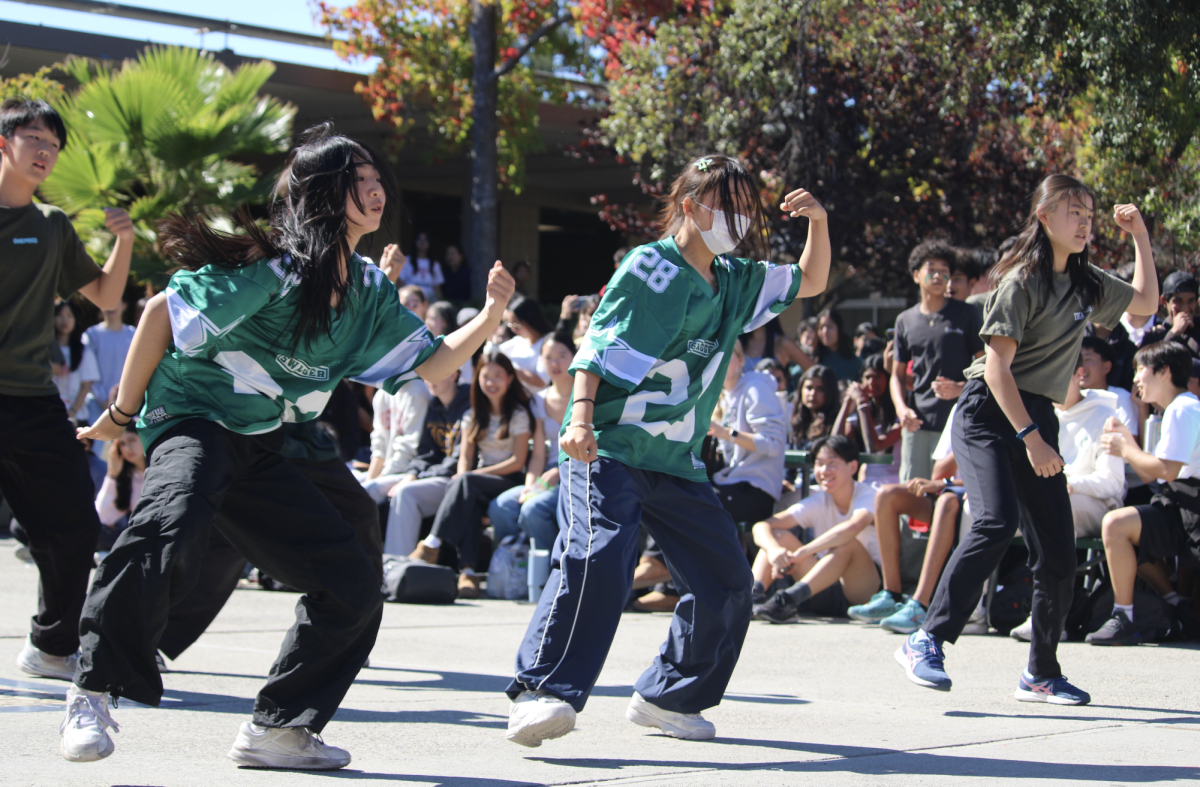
38, 85
170, 131
890, 112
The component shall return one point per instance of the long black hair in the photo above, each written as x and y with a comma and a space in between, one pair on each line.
308, 226
125, 477
1032, 250
845, 346
75, 338
481, 408
806, 423
528, 312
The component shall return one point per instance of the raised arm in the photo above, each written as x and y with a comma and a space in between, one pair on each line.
458, 347
150, 342
106, 290
814, 261
1145, 280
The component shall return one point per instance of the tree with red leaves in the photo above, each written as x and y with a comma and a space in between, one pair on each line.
472, 68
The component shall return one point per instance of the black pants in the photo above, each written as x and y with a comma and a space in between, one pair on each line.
223, 565
282, 523
45, 479
745, 502
1001, 485
459, 518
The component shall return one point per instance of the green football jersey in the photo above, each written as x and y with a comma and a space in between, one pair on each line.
660, 342
231, 358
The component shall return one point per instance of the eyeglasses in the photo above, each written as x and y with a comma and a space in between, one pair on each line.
514, 326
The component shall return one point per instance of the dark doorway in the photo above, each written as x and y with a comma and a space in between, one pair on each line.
575, 254
437, 215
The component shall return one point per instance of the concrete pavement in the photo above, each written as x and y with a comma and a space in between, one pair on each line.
815, 703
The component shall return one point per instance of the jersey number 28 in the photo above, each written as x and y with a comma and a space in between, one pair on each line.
657, 276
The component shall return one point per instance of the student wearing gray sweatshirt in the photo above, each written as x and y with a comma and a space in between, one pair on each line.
753, 435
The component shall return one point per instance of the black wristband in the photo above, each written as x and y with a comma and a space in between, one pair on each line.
577, 401
122, 412
114, 418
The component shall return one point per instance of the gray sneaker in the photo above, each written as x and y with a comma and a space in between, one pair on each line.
34, 662
292, 748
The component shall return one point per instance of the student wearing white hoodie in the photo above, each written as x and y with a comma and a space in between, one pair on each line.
395, 434
1095, 478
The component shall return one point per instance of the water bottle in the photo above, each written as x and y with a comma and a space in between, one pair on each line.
539, 570
1151, 432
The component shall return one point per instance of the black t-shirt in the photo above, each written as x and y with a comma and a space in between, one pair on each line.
1189, 339
942, 344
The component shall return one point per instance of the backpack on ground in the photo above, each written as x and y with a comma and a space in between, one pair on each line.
408, 581
1013, 600
508, 571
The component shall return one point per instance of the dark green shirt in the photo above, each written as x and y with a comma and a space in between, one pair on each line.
1048, 325
40, 256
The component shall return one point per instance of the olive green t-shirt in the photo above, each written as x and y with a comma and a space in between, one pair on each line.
1048, 325
40, 256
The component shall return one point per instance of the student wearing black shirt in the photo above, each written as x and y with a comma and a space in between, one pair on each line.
44, 476
1181, 327
940, 336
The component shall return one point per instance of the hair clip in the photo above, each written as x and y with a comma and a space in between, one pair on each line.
703, 164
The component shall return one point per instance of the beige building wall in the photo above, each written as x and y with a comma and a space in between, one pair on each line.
519, 238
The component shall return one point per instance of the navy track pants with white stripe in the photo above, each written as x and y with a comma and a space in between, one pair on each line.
600, 507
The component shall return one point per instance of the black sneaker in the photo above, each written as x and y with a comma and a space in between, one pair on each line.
780, 609
1117, 630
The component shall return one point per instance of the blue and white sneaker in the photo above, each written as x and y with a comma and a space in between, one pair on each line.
1056, 691
907, 619
924, 661
879, 607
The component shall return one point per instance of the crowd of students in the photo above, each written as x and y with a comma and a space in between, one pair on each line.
974, 397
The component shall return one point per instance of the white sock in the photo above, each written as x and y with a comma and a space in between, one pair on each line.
432, 541
1173, 598
1126, 608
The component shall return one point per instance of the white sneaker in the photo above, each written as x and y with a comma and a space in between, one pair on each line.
161, 663
689, 726
34, 662
23, 554
536, 716
1024, 632
296, 748
84, 737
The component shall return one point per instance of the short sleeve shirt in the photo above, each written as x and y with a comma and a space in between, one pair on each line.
232, 359
1047, 319
820, 514
1180, 440
660, 342
491, 449
942, 344
40, 257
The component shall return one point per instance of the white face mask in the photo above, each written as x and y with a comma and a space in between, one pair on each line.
719, 239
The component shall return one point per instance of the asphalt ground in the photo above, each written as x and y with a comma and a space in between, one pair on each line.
814, 703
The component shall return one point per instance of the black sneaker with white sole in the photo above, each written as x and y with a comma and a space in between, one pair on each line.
781, 608
1117, 630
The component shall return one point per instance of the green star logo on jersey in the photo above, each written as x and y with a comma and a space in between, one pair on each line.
613, 354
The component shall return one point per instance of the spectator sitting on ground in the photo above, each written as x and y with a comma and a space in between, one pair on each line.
769, 341
938, 502
413, 298
835, 565
122, 486
753, 436
582, 305
81, 369
422, 271
441, 318
423, 483
1097, 361
457, 275
776, 370
834, 348
532, 509
868, 417
495, 445
864, 331
816, 407
530, 326
396, 429
1169, 527
1179, 297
